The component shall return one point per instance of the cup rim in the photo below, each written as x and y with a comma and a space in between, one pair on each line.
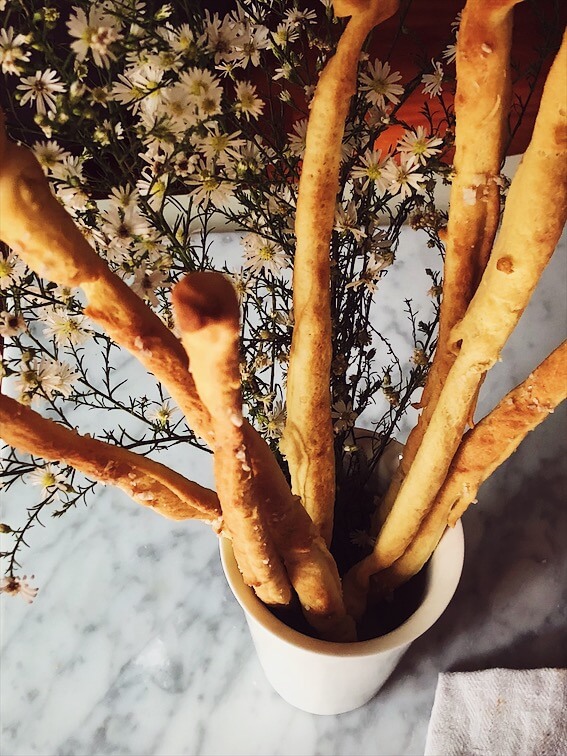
444, 572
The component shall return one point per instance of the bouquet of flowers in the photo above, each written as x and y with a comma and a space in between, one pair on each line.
148, 127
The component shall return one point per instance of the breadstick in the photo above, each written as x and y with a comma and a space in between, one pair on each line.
149, 483
483, 449
308, 439
535, 213
44, 235
207, 314
311, 569
343, 8
481, 107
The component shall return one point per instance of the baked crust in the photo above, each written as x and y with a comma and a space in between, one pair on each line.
482, 104
207, 314
483, 449
149, 483
533, 219
308, 439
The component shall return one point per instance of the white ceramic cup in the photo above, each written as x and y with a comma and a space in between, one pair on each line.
321, 677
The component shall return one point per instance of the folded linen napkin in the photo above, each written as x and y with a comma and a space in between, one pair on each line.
499, 712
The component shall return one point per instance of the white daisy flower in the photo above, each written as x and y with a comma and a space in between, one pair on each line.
295, 17
208, 186
219, 37
15, 586
183, 41
12, 270
418, 144
185, 164
12, 54
404, 176
217, 146
64, 328
52, 377
283, 72
124, 196
248, 46
346, 221
433, 81
161, 414
94, 34
11, 324
263, 255
284, 35
56, 377
152, 188
273, 421
49, 154
450, 53
371, 274
69, 169
147, 281
296, 138
243, 284
180, 110
247, 102
198, 82
209, 104
122, 224
41, 89
371, 170
49, 479
380, 84
127, 92
73, 198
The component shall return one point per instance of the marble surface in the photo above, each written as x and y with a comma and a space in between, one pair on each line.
135, 645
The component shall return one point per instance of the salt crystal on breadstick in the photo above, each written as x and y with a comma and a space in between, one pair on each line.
149, 483
207, 314
482, 104
534, 217
308, 438
483, 449
44, 235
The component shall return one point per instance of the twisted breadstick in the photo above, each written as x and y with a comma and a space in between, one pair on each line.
149, 483
481, 107
207, 314
535, 213
308, 439
483, 449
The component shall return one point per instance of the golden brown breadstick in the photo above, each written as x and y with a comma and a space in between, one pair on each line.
350, 7
149, 483
207, 314
309, 565
44, 235
481, 108
483, 449
308, 439
535, 213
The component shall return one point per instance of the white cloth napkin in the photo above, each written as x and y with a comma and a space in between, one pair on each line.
499, 712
